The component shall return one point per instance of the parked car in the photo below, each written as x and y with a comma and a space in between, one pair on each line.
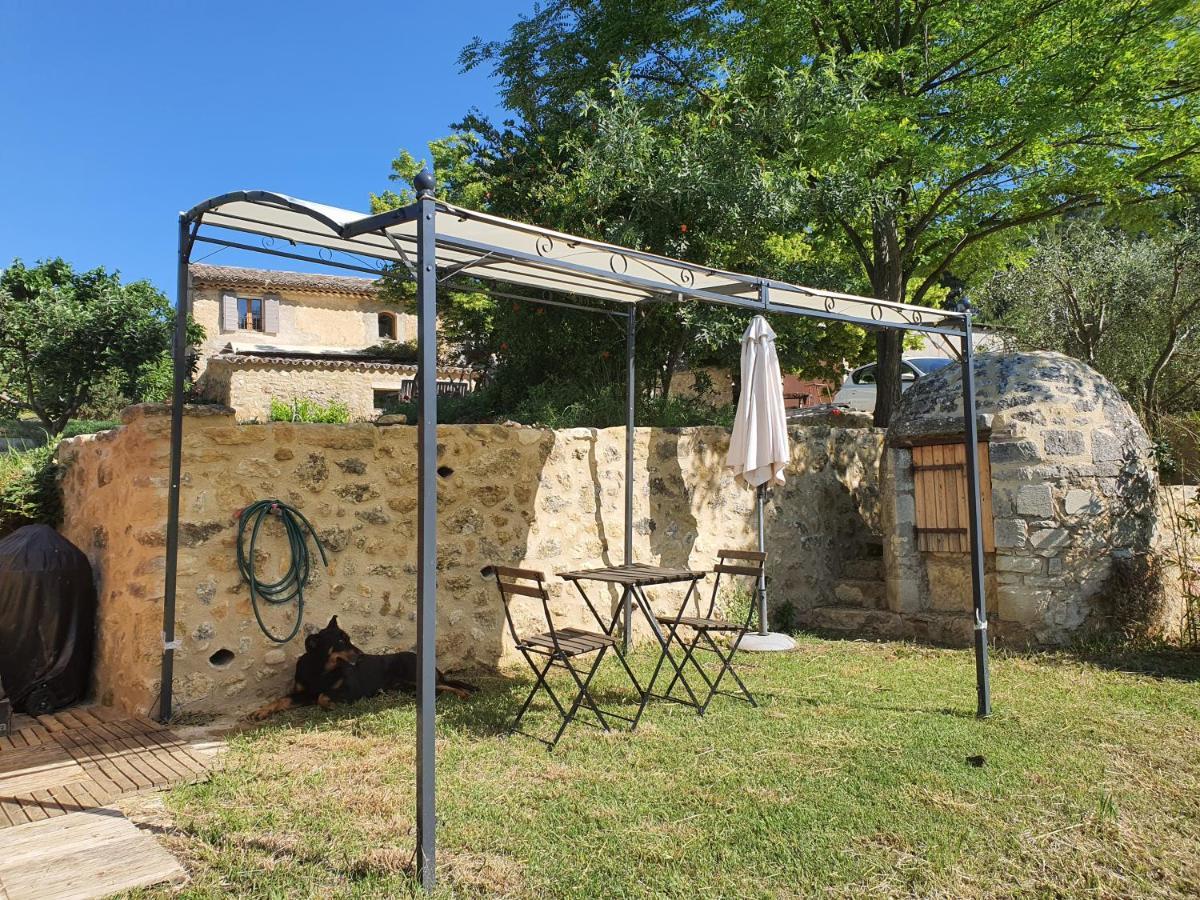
858, 390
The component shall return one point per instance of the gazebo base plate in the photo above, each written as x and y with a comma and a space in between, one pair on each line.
772, 642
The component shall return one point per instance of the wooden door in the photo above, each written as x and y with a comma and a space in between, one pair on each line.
940, 479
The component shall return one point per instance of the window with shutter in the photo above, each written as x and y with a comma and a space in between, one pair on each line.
229, 312
940, 479
271, 314
250, 313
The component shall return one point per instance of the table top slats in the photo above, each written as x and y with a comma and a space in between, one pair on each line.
634, 574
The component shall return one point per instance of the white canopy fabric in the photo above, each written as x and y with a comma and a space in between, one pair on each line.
758, 448
501, 250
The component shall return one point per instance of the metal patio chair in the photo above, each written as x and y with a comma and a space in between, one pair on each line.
561, 647
733, 564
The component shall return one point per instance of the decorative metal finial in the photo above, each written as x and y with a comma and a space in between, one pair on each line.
424, 183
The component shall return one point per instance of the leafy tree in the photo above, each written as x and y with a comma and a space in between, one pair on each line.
1127, 306
913, 138
67, 338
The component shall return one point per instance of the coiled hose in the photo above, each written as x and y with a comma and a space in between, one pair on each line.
290, 587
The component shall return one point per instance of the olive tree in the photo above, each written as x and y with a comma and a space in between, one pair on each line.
1127, 305
66, 336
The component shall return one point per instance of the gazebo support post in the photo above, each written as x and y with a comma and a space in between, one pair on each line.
426, 525
978, 594
179, 351
630, 421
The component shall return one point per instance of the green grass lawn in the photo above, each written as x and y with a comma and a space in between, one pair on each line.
851, 779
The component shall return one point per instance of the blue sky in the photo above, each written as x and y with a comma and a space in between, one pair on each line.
116, 115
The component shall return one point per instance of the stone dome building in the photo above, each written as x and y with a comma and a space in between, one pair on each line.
1072, 488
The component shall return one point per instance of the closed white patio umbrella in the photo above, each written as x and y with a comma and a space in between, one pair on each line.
759, 449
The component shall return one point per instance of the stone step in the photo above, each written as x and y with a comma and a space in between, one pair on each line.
864, 593
945, 629
863, 568
853, 621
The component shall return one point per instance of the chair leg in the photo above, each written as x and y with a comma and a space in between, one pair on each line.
585, 693
727, 666
541, 682
689, 654
569, 716
665, 645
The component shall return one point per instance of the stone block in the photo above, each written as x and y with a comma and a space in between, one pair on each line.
1011, 532
1035, 500
1054, 566
1048, 541
1026, 565
900, 466
1080, 502
1003, 502
906, 509
905, 589
1019, 604
1106, 446
1063, 443
1014, 451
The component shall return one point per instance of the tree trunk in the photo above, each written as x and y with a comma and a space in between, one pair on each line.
889, 347
888, 282
673, 359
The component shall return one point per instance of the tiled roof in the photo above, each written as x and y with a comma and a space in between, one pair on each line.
264, 279
329, 360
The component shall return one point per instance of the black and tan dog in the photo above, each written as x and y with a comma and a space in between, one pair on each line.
332, 670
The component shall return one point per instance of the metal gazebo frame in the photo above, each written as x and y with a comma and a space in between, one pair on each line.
436, 241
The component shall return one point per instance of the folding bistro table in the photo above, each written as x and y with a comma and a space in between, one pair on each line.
634, 578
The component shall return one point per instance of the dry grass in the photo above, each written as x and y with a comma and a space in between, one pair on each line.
851, 780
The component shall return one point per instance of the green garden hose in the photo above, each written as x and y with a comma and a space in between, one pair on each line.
289, 588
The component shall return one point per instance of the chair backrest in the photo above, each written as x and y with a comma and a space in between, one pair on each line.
734, 563
520, 582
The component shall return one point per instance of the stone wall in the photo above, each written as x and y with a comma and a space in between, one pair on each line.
522, 496
249, 386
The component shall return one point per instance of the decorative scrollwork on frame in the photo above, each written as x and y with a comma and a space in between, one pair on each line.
267, 242
876, 311
544, 245
618, 263
830, 304
687, 277
325, 253
917, 318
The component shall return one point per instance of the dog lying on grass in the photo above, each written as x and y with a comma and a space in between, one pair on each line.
332, 670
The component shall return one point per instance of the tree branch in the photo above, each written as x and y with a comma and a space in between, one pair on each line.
860, 246
913, 234
986, 230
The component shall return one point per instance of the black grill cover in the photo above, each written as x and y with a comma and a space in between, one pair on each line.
47, 619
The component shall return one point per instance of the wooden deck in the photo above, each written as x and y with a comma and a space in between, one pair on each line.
84, 758
81, 856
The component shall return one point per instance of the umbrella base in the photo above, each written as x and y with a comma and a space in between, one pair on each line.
772, 642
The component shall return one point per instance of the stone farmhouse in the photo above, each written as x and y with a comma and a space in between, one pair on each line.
292, 335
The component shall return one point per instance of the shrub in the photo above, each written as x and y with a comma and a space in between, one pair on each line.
302, 409
394, 351
29, 488
88, 426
